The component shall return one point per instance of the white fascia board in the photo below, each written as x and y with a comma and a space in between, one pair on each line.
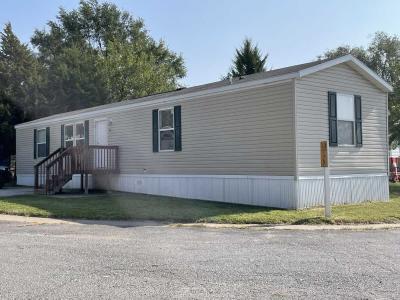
164, 101
358, 65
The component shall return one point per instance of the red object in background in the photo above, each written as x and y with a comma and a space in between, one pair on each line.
394, 169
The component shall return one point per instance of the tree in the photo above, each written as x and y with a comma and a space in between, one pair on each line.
20, 89
135, 72
20, 73
97, 54
382, 56
248, 60
10, 115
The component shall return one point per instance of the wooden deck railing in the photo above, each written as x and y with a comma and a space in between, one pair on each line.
52, 173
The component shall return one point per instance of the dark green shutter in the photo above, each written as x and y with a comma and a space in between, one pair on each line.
155, 130
332, 112
357, 106
35, 143
87, 132
178, 128
47, 141
62, 136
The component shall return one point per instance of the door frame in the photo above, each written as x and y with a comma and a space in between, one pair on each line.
95, 129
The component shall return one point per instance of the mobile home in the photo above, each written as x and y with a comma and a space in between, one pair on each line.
252, 140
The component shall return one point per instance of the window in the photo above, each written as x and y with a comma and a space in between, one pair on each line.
345, 119
166, 129
69, 135
74, 134
79, 134
41, 143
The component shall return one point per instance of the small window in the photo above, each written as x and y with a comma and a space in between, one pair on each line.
345, 119
79, 134
166, 129
41, 143
69, 135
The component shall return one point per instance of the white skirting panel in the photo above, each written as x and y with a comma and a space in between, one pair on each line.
26, 179
272, 191
75, 183
345, 189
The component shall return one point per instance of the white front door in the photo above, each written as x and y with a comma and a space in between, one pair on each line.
100, 138
101, 132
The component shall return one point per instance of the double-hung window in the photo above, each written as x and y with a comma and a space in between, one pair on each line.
166, 129
74, 134
41, 143
345, 119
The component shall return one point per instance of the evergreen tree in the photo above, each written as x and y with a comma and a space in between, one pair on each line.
248, 60
20, 73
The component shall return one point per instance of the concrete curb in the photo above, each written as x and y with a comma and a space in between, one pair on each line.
291, 227
40, 221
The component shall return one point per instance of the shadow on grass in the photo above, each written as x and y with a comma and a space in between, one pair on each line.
313, 221
124, 207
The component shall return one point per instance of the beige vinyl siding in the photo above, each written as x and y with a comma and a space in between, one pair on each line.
24, 144
312, 123
243, 132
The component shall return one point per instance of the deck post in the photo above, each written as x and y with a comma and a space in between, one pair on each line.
81, 182
86, 183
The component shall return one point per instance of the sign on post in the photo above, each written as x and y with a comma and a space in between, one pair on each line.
324, 154
324, 157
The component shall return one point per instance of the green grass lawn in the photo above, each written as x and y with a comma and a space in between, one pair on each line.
123, 206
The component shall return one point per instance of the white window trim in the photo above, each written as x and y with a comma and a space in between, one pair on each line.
165, 129
74, 138
37, 143
354, 122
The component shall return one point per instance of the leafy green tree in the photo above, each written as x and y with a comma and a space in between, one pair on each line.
383, 56
132, 71
248, 60
97, 54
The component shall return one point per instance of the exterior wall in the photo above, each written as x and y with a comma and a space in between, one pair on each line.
24, 144
235, 133
312, 123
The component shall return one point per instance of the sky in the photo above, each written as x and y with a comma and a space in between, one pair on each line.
207, 32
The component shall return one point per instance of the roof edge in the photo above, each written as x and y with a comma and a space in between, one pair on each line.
360, 66
166, 100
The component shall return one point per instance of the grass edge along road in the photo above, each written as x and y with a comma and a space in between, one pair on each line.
127, 206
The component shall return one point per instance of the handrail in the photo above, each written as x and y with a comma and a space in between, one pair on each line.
57, 169
84, 151
48, 157
40, 166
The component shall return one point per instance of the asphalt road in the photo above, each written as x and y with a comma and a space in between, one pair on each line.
97, 261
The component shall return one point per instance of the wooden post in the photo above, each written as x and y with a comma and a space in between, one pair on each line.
86, 183
81, 182
324, 153
36, 177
